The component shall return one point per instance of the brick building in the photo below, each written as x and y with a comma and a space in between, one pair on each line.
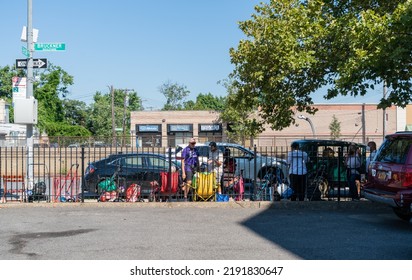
169, 128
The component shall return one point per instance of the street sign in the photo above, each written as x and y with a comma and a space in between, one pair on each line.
19, 87
50, 47
25, 51
37, 63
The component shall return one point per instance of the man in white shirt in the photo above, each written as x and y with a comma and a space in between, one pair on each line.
297, 160
372, 153
215, 163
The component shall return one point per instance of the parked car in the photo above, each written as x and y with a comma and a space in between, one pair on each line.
390, 175
140, 168
175, 153
74, 145
252, 165
327, 162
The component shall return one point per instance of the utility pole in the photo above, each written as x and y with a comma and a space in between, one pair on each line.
384, 112
113, 120
125, 103
363, 124
29, 94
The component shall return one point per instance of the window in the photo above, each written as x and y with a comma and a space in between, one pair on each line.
394, 150
157, 162
132, 162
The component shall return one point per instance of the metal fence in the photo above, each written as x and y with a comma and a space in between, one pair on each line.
62, 174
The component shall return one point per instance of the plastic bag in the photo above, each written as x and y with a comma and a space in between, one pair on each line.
107, 185
222, 197
284, 191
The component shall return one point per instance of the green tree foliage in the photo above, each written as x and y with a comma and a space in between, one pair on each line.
50, 92
75, 112
6, 75
175, 95
206, 102
6, 91
100, 119
49, 89
239, 116
334, 128
294, 48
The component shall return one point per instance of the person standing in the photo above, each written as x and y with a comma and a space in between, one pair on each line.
297, 160
215, 164
190, 164
372, 153
353, 164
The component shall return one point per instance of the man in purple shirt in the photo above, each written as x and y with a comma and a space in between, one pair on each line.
190, 163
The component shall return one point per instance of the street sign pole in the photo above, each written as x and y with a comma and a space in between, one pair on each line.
29, 94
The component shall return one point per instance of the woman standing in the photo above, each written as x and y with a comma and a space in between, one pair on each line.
297, 160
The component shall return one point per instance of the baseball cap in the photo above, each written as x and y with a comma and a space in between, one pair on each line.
192, 141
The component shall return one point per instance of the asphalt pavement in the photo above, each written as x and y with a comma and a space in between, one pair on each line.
284, 230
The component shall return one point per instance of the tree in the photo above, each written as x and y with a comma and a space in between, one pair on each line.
49, 90
99, 123
295, 47
175, 95
334, 127
75, 112
239, 116
206, 102
6, 91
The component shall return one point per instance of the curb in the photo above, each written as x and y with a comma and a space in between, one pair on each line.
311, 205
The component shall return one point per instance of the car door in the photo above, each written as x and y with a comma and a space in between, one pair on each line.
244, 160
131, 170
154, 164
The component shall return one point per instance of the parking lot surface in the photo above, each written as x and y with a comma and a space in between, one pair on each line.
283, 230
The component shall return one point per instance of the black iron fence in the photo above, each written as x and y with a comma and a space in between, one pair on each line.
80, 173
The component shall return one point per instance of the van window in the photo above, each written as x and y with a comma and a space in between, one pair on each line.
394, 150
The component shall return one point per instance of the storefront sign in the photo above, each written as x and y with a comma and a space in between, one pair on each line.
210, 127
180, 128
148, 128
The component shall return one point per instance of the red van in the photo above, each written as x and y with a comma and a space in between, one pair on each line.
390, 175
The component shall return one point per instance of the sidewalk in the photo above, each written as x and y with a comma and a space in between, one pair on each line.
313, 205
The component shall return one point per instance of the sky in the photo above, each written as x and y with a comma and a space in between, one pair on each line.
136, 44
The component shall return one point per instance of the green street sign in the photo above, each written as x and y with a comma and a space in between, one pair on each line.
25, 51
50, 47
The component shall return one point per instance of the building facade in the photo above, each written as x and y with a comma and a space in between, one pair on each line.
358, 123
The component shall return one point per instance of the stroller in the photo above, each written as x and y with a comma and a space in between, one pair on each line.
234, 185
108, 188
272, 186
38, 193
133, 193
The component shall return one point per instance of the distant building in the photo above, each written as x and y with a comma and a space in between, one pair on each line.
170, 128
14, 135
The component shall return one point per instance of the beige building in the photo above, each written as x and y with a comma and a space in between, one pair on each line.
170, 128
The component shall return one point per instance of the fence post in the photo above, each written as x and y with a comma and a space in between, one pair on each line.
82, 174
255, 168
339, 171
169, 174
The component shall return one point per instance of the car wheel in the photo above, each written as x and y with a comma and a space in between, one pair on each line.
402, 214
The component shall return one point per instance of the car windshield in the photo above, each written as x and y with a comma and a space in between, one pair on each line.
394, 150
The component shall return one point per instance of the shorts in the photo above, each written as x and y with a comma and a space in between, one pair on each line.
189, 176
